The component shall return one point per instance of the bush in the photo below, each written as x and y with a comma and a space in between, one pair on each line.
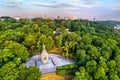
66, 69
33, 73
64, 72
69, 66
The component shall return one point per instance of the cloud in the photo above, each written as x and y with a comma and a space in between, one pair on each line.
117, 0
59, 5
82, 3
116, 7
68, 4
77, 2
42, 4
90, 1
12, 4
14, 1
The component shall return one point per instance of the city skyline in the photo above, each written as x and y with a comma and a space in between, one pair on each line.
88, 9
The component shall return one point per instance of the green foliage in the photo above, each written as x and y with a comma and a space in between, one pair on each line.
91, 66
32, 73
81, 56
44, 29
30, 42
9, 72
66, 69
5, 56
100, 73
81, 75
65, 72
94, 46
69, 66
86, 39
22, 72
48, 41
92, 51
17, 49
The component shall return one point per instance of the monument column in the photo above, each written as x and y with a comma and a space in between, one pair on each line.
44, 56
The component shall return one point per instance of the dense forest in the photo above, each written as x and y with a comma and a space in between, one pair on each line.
110, 23
95, 47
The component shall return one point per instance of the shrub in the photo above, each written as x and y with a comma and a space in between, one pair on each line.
66, 69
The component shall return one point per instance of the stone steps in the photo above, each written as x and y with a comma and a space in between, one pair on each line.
48, 70
55, 61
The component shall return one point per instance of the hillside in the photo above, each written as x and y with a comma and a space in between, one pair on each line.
110, 23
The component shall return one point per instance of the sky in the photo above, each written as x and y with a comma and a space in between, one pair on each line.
87, 9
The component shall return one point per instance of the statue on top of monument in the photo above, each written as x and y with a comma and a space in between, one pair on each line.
43, 46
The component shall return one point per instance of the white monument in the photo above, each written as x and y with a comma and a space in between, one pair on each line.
44, 56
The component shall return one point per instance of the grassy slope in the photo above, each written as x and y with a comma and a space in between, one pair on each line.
54, 76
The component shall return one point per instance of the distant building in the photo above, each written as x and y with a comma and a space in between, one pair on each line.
54, 32
46, 17
52, 18
58, 17
67, 30
117, 27
17, 18
70, 17
94, 19
1, 19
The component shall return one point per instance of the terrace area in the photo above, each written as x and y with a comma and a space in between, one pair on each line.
53, 61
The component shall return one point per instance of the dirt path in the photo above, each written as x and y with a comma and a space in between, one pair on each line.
55, 50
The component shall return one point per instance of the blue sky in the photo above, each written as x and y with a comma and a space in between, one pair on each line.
100, 9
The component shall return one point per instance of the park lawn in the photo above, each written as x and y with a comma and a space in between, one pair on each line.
51, 76
54, 76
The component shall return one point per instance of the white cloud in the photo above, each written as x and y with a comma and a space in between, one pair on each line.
116, 7
69, 4
14, 1
79, 2
13, 4
57, 5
